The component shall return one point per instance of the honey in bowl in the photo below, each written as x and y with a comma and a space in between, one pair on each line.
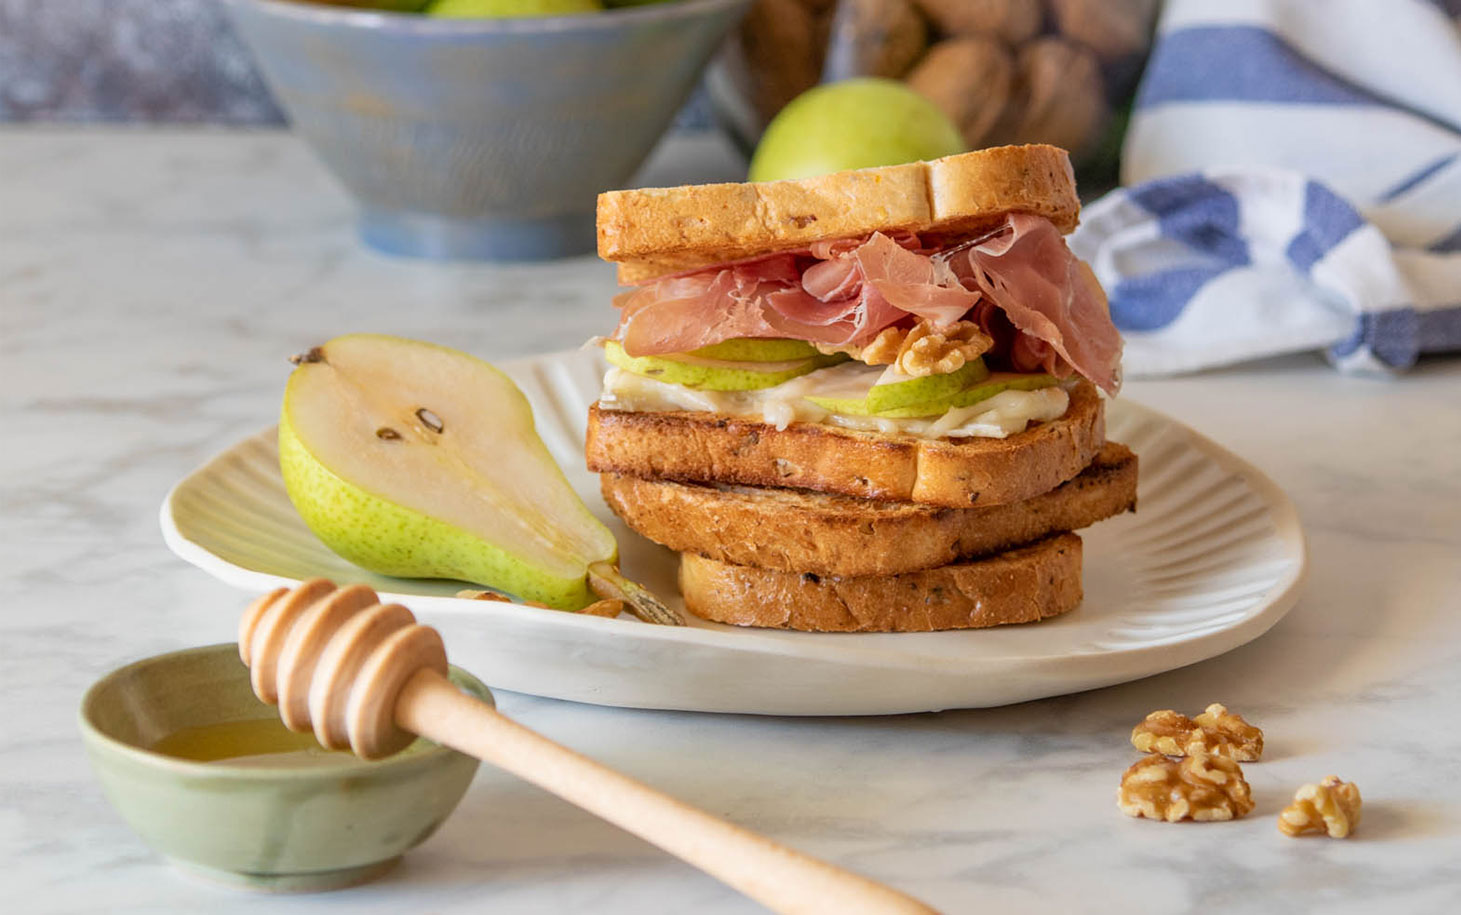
249, 742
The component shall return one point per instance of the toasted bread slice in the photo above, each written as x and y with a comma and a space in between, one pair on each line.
656, 231
1022, 585
702, 447
793, 530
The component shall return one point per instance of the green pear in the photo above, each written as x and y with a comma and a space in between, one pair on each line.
855, 123
495, 9
892, 390
752, 349
417, 460
714, 374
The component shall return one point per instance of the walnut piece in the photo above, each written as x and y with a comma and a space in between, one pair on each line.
472, 594
1200, 787
922, 349
1215, 732
607, 608
1332, 806
1229, 735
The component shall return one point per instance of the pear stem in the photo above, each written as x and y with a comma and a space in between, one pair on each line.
607, 582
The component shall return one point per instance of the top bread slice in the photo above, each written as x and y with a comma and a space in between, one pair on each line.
653, 232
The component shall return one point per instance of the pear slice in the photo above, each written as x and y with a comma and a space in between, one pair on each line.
995, 383
708, 374
893, 390
896, 389
756, 349
416, 460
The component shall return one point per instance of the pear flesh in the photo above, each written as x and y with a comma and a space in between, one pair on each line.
975, 383
893, 390
711, 374
995, 383
416, 460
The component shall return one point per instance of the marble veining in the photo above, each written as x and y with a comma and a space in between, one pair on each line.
151, 284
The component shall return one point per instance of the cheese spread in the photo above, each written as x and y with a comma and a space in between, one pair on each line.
1000, 416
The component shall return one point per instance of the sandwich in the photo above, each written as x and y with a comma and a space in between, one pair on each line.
867, 401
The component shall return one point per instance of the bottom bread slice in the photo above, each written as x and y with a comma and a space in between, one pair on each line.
1022, 585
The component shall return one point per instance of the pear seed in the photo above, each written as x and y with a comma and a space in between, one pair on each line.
315, 354
430, 420
388, 434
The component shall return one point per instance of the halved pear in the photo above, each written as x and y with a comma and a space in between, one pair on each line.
708, 374
892, 390
756, 349
416, 460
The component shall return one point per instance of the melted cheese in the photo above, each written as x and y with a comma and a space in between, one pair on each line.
999, 416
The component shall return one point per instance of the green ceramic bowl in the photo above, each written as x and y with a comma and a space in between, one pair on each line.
276, 828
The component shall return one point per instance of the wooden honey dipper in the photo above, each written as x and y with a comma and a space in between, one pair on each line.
365, 676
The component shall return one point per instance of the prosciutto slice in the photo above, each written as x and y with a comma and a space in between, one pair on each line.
1048, 294
1020, 283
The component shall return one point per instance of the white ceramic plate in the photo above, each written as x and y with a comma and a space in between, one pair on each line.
1214, 557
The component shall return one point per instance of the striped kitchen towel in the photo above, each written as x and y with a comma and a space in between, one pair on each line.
1293, 182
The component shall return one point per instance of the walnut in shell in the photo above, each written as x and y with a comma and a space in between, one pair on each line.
1014, 21
780, 52
1114, 29
874, 38
1060, 98
970, 80
1201, 788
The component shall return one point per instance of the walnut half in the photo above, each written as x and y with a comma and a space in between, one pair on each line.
1199, 787
923, 349
1332, 806
1216, 732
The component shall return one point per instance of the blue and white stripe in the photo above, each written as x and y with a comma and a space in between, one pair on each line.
1293, 173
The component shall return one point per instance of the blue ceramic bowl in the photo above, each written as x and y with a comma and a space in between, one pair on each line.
482, 138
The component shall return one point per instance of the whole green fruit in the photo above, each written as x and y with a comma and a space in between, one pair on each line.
499, 9
856, 123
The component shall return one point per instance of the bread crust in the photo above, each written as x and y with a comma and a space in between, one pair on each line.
797, 531
1022, 585
652, 232
702, 447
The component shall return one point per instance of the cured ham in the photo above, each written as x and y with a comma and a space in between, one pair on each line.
1046, 292
1037, 301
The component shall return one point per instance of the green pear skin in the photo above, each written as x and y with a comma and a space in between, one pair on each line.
994, 384
748, 376
383, 501
404, 543
927, 389
755, 349
924, 393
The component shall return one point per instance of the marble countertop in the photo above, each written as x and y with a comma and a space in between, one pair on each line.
151, 284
